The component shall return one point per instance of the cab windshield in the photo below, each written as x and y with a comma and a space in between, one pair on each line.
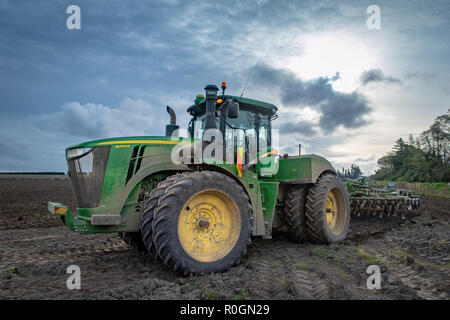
248, 123
251, 131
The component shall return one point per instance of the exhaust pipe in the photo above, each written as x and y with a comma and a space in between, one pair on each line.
172, 126
211, 97
173, 116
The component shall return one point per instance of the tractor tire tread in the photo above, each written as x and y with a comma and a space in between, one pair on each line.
167, 208
294, 212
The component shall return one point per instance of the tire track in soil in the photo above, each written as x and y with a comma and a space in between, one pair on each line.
305, 284
328, 276
44, 257
270, 283
430, 287
35, 246
424, 288
280, 278
106, 262
426, 247
128, 267
18, 235
349, 286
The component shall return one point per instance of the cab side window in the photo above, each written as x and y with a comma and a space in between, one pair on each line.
251, 132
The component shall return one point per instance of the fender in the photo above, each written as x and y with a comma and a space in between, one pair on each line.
154, 164
301, 169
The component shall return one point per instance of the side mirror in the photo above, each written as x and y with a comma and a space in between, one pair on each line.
233, 110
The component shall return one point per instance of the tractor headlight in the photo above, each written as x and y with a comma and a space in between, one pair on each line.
76, 153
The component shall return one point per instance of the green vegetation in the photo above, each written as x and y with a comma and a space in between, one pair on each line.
14, 271
242, 295
441, 244
342, 274
212, 295
192, 283
322, 251
370, 259
354, 172
422, 159
400, 255
304, 265
440, 189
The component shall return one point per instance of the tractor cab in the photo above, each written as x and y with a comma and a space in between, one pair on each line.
250, 114
243, 123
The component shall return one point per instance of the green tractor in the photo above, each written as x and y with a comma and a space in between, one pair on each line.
194, 203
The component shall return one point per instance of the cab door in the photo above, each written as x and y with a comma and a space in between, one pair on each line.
268, 159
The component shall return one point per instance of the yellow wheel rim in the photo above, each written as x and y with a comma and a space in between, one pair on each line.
335, 211
331, 210
209, 225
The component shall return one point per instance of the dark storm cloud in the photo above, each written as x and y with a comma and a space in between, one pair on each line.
376, 75
337, 108
164, 52
127, 49
304, 128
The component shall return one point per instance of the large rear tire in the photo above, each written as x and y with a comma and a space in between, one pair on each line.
294, 212
203, 223
327, 210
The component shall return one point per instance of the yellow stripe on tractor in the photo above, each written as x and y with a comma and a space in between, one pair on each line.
142, 142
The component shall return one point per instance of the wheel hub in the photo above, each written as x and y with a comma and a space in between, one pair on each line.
203, 224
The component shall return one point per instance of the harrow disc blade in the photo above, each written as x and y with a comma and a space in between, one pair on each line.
383, 207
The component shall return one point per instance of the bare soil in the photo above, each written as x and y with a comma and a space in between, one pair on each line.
36, 249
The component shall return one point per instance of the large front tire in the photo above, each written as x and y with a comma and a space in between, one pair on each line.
203, 223
133, 239
327, 210
150, 205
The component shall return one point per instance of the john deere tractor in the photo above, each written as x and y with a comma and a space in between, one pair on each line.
194, 203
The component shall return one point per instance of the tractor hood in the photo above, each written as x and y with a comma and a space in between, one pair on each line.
127, 141
88, 163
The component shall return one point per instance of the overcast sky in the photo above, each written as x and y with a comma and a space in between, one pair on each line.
344, 91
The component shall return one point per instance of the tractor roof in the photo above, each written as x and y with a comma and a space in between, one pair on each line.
246, 103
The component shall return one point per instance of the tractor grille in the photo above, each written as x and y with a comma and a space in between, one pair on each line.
87, 172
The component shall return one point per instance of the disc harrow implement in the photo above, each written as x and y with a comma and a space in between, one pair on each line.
369, 201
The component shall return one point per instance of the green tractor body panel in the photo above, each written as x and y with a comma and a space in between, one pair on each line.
301, 169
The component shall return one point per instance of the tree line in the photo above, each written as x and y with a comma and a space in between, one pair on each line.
354, 172
425, 158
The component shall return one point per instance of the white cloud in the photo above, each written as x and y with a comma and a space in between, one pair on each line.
95, 121
37, 143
